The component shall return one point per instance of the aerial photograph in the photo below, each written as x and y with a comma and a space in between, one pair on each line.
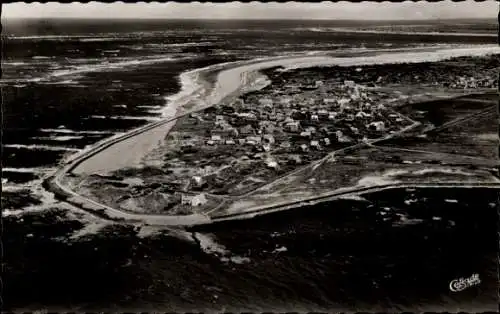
250, 157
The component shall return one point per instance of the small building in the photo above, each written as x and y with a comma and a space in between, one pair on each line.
350, 84
266, 147
199, 200
197, 181
294, 159
314, 117
247, 116
247, 129
253, 140
285, 144
315, 144
268, 138
266, 102
216, 138
271, 163
304, 147
292, 126
377, 126
344, 101
311, 129
230, 142
326, 140
194, 200
210, 142
322, 113
305, 134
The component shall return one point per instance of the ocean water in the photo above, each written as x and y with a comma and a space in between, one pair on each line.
68, 84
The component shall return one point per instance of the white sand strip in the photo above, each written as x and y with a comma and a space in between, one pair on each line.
41, 147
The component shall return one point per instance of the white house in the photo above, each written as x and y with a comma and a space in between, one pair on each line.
271, 163
350, 84
197, 181
332, 115
344, 101
293, 126
216, 138
285, 144
315, 144
311, 129
378, 125
255, 139
305, 134
268, 138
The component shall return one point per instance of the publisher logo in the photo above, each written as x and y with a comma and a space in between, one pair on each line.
461, 284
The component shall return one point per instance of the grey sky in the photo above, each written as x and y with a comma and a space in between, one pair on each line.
257, 10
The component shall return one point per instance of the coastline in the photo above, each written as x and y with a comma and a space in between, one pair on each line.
227, 85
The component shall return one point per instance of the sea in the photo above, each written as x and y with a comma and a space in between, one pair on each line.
69, 83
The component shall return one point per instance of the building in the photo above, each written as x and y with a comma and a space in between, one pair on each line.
344, 102
216, 138
247, 130
292, 126
377, 126
315, 144
197, 181
268, 138
199, 200
306, 134
253, 140
294, 159
247, 116
271, 163
285, 144
350, 84
194, 200
311, 129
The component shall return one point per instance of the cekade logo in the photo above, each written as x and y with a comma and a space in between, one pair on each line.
460, 284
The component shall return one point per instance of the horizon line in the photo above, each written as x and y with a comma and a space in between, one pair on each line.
242, 19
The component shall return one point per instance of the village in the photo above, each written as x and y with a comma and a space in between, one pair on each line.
263, 135
232, 149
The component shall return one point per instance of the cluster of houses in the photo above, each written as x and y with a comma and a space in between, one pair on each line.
300, 122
